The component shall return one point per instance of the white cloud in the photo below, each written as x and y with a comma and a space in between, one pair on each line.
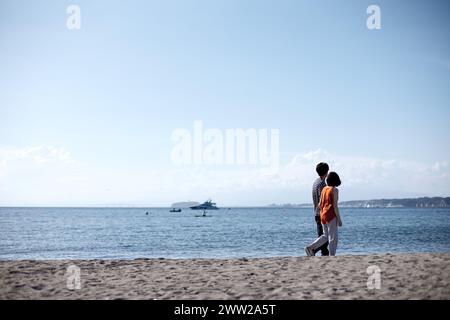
38, 154
362, 178
371, 177
441, 166
47, 175
30, 156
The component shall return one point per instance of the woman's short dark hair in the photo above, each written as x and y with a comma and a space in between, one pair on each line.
322, 169
333, 180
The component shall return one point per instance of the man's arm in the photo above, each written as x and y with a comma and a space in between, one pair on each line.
314, 197
320, 187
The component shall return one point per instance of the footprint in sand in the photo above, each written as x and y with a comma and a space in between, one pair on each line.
38, 287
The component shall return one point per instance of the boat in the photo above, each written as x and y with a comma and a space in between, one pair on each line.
208, 205
175, 210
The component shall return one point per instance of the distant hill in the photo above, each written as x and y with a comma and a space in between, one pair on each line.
435, 202
425, 202
187, 204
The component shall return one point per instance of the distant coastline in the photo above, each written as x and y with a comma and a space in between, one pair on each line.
424, 202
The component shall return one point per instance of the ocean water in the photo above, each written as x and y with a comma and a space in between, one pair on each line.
128, 233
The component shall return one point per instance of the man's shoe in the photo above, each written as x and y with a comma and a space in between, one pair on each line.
309, 252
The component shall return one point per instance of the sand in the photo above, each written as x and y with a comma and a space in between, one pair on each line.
403, 276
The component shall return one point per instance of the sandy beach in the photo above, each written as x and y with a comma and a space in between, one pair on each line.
403, 276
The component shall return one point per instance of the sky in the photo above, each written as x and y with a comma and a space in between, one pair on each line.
88, 115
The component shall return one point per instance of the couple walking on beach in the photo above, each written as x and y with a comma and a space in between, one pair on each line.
325, 196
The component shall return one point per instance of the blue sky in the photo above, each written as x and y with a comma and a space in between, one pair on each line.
99, 104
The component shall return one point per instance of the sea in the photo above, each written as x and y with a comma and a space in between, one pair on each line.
131, 233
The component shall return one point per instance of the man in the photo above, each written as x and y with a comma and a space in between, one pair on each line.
322, 170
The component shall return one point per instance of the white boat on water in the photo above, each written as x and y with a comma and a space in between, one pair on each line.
208, 205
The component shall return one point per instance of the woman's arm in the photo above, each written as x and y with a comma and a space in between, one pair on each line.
335, 205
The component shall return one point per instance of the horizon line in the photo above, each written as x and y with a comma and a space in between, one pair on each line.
231, 206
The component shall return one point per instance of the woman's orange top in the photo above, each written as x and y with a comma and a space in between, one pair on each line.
327, 205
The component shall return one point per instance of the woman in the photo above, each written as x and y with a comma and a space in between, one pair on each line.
329, 216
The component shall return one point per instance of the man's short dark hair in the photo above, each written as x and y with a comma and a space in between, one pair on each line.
322, 169
333, 180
